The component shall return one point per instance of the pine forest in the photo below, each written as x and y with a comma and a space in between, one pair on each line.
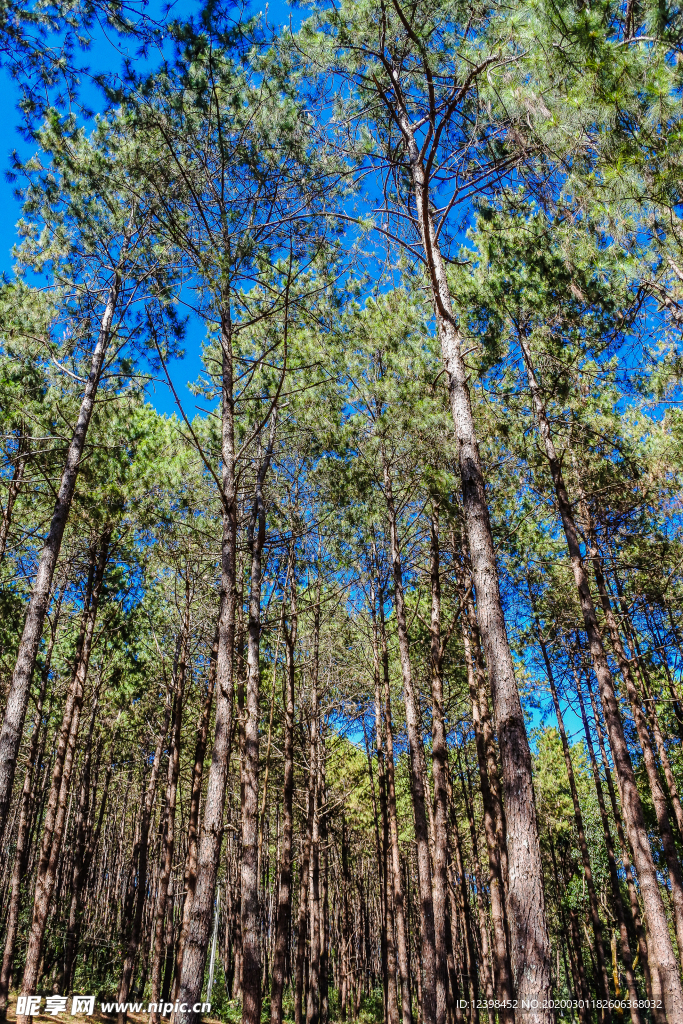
341, 548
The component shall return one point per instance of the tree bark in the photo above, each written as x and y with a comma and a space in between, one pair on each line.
190, 869
501, 960
484, 965
79, 880
626, 861
303, 915
384, 863
656, 789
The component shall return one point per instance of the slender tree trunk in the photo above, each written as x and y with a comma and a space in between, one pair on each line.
190, 869
80, 878
17, 701
603, 978
80, 839
28, 795
501, 961
484, 966
324, 885
199, 931
617, 902
312, 1002
55, 818
168, 835
251, 948
656, 789
345, 923
439, 774
384, 864
465, 916
303, 917
140, 861
574, 943
284, 905
663, 966
397, 881
480, 695
626, 861
417, 770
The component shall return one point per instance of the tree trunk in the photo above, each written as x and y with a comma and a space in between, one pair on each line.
626, 861
168, 835
284, 905
79, 843
395, 869
251, 947
79, 880
530, 943
439, 774
464, 912
484, 965
199, 931
55, 818
626, 955
324, 885
28, 796
303, 917
656, 789
663, 966
345, 923
384, 864
312, 1001
140, 860
190, 869
501, 960
417, 771
603, 979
